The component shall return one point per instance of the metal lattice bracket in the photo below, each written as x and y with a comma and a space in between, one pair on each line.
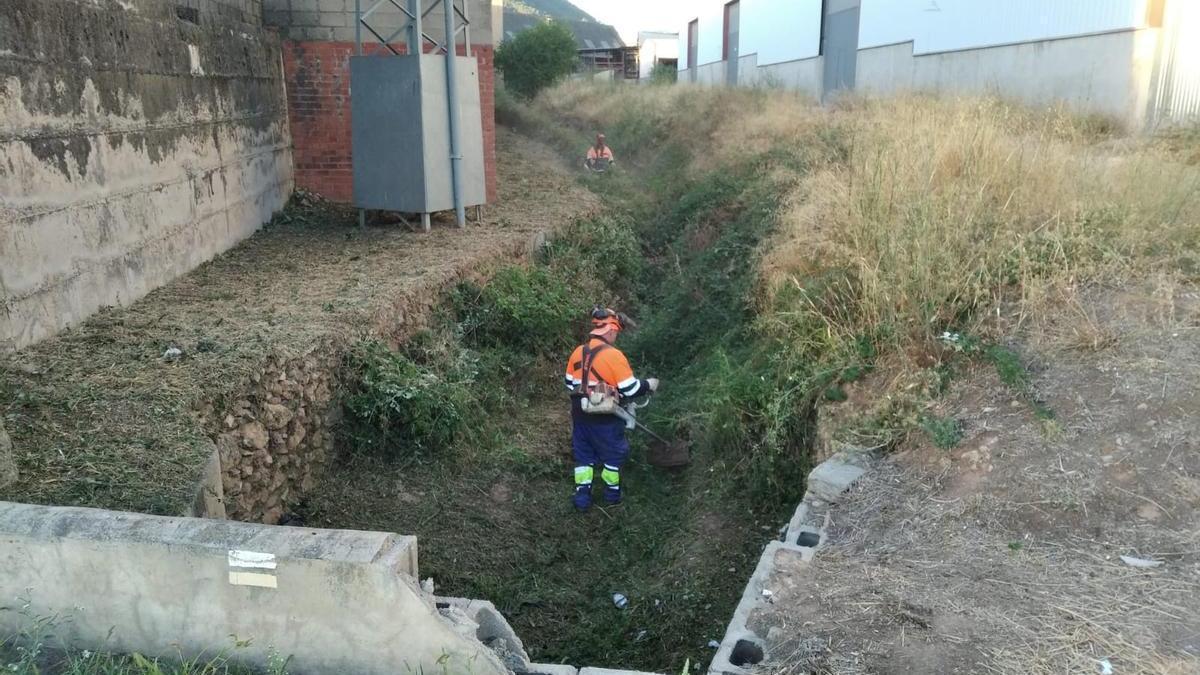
459, 22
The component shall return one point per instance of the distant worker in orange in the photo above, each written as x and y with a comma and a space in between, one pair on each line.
600, 380
599, 156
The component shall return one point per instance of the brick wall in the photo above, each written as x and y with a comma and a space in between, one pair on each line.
318, 92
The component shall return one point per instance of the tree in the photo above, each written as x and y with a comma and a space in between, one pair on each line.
537, 58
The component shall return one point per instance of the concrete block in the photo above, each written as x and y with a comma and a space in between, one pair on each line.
314, 33
210, 494
303, 18
172, 587
491, 628
611, 671
550, 669
741, 649
333, 19
8, 462
833, 477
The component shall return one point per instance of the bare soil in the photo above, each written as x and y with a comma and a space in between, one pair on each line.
99, 418
1003, 554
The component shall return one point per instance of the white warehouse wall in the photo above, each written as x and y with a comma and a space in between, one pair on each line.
711, 15
780, 30
946, 25
777, 31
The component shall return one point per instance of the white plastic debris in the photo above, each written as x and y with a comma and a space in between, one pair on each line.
427, 585
767, 593
641, 634
713, 644
172, 353
1140, 562
620, 601
1105, 666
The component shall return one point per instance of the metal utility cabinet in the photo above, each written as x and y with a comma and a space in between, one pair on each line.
401, 136
417, 143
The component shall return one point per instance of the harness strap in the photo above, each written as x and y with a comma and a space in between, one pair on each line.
589, 357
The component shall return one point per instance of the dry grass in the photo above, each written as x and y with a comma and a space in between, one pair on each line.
933, 210
943, 209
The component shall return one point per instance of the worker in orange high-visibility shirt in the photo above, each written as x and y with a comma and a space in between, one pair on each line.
599, 156
599, 379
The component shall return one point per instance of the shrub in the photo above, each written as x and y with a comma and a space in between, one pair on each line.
663, 73
537, 58
601, 255
400, 404
527, 309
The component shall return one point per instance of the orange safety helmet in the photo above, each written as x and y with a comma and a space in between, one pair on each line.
604, 320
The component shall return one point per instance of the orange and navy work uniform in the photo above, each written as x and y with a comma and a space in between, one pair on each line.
603, 153
599, 439
610, 366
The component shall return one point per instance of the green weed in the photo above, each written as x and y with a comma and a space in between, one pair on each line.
945, 432
398, 405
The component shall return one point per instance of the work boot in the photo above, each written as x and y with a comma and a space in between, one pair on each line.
612, 495
582, 499
612, 484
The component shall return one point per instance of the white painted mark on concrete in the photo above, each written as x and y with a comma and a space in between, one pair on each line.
253, 579
254, 559
194, 56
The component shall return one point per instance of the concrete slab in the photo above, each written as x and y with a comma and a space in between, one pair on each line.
180, 587
833, 477
550, 669
610, 671
491, 628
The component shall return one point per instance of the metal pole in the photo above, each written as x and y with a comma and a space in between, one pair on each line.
415, 45
358, 27
460, 209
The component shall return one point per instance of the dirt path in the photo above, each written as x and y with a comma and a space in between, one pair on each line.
1004, 553
98, 416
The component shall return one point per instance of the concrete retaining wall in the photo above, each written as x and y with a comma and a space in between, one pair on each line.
137, 140
1108, 74
334, 601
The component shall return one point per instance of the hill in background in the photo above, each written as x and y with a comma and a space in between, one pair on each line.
589, 33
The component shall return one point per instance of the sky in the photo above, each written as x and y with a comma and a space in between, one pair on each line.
631, 16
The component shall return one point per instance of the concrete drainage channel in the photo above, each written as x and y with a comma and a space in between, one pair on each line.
742, 650
166, 586
180, 586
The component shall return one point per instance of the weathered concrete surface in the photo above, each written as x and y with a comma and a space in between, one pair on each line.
743, 649
489, 626
333, 20
135, 144
829, 479
8, 464
1109, 73
611, 671
334, 601
550, 669
802, 75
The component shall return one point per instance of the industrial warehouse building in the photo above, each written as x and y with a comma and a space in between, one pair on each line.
1137, 61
